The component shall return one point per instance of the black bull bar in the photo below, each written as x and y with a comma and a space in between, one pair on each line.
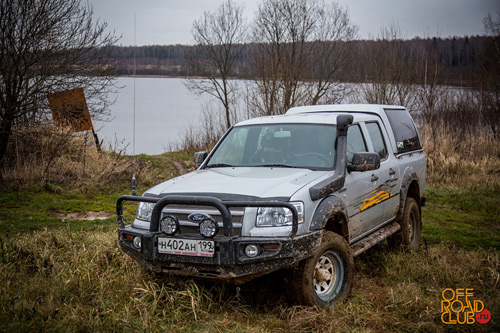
222, 206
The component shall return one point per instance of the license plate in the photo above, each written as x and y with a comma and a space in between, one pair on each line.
186, 247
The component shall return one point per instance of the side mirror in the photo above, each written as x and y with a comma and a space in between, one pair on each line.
364, 162
199, 157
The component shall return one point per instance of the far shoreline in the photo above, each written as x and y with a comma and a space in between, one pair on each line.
158, 76
163, 76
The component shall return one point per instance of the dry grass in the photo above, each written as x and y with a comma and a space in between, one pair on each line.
66, 281
461, 160
52, 157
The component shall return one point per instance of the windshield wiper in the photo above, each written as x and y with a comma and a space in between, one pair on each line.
279, 166
219, 165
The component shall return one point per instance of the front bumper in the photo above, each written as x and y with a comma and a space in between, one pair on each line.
229, 262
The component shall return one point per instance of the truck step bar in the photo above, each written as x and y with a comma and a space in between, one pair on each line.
375, 238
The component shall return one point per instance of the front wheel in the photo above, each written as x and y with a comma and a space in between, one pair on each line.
327, 276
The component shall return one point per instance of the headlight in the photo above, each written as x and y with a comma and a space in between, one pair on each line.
144, 211
278, 216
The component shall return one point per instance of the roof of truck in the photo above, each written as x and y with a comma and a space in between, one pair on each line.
324, 114
368, 108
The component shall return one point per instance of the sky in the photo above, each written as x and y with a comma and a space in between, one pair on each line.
166, 22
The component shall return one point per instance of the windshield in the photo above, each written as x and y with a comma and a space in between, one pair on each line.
310, 146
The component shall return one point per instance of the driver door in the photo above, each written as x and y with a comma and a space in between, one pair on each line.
360, 189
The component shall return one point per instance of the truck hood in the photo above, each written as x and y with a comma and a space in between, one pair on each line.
260, 182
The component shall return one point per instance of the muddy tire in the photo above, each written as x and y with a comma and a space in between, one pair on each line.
408, 237
326, 277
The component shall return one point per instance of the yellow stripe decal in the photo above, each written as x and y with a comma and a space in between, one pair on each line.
375, 197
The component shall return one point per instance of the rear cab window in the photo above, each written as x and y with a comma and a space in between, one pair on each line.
404, 130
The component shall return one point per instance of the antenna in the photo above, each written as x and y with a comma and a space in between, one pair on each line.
133, 133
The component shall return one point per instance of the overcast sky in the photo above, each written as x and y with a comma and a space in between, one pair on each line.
166, 22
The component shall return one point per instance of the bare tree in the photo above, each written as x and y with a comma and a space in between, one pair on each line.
331, 55
48, 46
300, 52
431, 94
392, 70
489, 75
219, 36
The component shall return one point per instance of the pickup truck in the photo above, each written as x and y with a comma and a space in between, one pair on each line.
308, 191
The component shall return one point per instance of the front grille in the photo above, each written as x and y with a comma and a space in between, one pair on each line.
181, 212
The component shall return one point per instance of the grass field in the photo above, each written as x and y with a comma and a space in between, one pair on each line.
64, 274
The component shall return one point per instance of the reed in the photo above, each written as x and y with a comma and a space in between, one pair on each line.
461, 160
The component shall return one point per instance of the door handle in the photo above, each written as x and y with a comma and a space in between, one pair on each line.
392, 172
374, 178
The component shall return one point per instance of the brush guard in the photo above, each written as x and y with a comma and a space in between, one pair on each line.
229, 261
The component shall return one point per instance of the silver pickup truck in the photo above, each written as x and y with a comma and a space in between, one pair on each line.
307, 190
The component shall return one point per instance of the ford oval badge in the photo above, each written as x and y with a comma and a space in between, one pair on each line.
198, 217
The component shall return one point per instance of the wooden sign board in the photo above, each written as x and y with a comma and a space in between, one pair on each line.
69, 108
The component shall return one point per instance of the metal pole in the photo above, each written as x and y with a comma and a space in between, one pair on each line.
133, 135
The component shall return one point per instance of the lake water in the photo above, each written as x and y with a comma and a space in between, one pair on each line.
164, 109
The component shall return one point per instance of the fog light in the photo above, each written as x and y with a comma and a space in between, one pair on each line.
208, 228
169, 225
137, 242
252, 251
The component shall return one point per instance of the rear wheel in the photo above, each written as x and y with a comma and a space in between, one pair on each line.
411, 225
327, 276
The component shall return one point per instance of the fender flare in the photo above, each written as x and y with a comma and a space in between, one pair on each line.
328, 207
410, 175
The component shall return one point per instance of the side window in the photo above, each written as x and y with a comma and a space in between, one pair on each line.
377, 139
405, 132
355, 142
